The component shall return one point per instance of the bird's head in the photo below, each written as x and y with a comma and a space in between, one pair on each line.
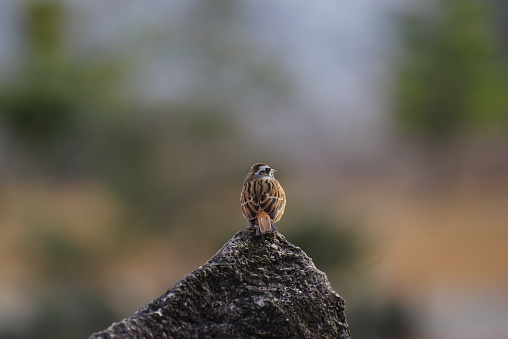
260, 170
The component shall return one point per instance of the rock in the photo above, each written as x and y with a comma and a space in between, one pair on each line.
254, 287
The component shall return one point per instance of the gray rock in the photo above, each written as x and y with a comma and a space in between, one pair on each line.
254, 287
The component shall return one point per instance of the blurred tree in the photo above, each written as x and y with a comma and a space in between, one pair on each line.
38, 104
450, 90
331, 245
453, 79
45, 101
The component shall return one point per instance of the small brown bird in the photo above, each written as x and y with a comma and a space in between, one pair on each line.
263, 200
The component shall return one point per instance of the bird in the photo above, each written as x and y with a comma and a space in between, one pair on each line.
262, 199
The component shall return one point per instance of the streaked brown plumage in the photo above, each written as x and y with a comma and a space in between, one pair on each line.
263, 200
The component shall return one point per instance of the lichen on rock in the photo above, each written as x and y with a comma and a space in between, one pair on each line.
253, 287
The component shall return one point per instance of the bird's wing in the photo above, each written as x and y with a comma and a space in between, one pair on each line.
274, 201
249, 203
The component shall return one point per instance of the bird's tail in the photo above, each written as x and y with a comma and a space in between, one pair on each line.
264, 222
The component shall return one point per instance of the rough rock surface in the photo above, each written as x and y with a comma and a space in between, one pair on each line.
254, 287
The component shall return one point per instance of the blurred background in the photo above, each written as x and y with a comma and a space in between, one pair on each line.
127, 128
